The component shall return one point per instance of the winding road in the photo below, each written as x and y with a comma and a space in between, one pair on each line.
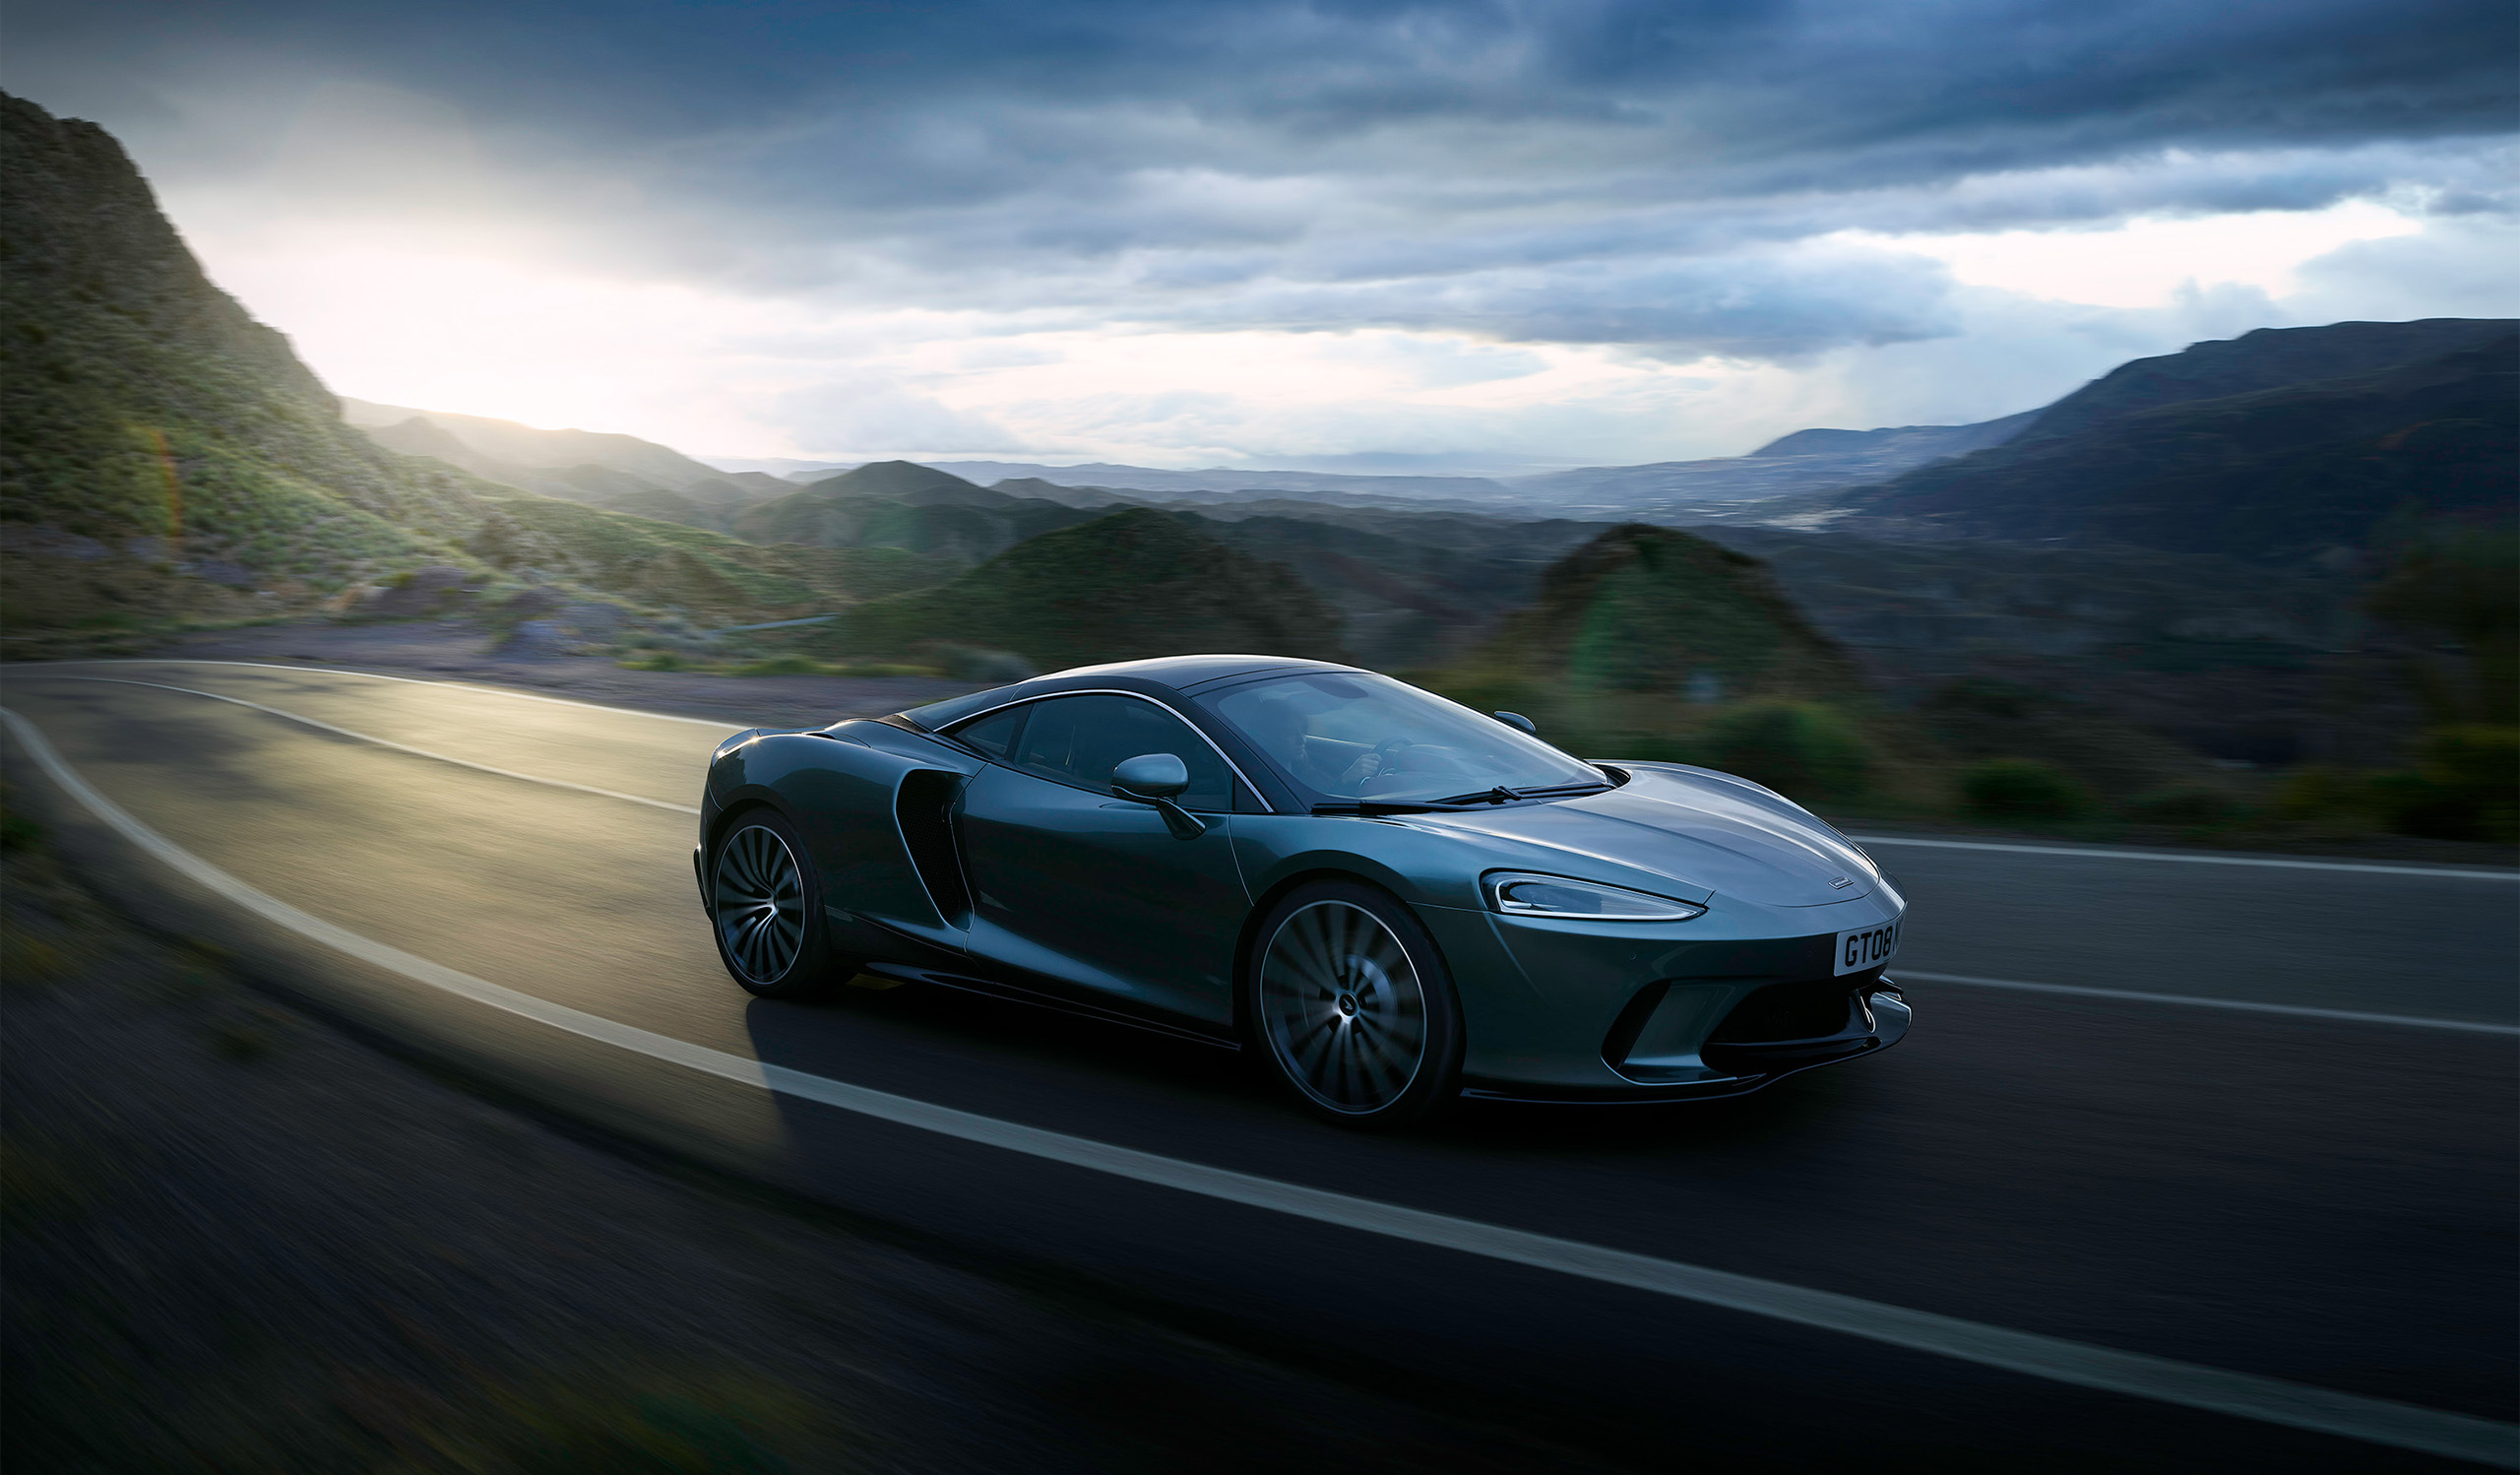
2190, 1160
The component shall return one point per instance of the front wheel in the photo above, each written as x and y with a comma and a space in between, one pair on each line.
1354, 1008
766, 908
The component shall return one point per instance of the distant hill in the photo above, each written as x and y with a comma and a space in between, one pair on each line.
1217, 479
899, 504
509, 443
1656, 610
1135, 583
1737, 488
2283, 445
1416, 588
619, 471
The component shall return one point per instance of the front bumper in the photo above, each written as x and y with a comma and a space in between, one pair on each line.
1722, 1005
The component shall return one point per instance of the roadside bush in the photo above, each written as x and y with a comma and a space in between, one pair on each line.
2192, 804
2021, 789
1800, 750
2465, 786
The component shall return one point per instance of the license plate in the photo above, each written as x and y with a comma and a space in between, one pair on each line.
1866, 947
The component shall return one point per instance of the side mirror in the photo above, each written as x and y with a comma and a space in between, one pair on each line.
1151, 776
1517, 719
1154, 779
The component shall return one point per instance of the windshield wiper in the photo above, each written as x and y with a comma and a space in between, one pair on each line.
1501, 795
1386, 807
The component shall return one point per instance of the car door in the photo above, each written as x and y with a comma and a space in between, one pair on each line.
1073, 883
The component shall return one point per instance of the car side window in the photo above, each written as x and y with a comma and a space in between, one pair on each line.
1080, 739
994, 734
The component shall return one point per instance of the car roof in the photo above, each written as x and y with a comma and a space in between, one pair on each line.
1181, 674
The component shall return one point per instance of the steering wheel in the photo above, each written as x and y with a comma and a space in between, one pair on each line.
1383, 754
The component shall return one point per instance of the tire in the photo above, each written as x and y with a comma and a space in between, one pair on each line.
1352, 1007
766, 910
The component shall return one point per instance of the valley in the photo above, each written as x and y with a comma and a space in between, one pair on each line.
2168, 594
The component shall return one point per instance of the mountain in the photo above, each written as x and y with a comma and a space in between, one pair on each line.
619, 471
1416, 588
2282, 446
1913, 445
2268, 358
1135, 583
165, 457
1737, 488
509, 443
899, 504
1220, 480
160, 452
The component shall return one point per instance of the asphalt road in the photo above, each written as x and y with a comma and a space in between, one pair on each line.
2322, 1200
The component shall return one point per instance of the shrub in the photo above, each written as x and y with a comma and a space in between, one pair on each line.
2021, 789
1800, 750
2183, 804
2465, 786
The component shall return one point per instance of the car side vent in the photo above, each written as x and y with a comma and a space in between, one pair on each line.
923, 805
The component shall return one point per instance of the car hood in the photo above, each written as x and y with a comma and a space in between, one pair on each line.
1699, 827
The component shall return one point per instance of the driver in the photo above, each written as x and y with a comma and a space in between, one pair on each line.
1280, 728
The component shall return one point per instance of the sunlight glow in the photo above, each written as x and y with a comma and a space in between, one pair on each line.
2147, 262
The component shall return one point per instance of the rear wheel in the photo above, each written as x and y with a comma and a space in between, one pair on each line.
766, 908
1354, 1008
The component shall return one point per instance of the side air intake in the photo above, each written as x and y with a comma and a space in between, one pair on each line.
923, 807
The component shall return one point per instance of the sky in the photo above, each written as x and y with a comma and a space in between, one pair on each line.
1473, 238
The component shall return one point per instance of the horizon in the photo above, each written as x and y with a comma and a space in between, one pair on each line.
1192, 240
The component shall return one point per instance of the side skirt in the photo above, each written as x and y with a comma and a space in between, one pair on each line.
911, 973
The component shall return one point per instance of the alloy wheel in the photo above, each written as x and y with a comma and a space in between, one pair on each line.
757, 896
1342, 1007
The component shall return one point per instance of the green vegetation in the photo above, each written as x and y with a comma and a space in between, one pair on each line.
2012, 788
148, 424
1134, 584
1800, 748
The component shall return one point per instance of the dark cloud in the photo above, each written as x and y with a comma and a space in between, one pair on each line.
1573, 171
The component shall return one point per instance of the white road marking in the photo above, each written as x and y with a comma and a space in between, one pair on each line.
2357, 1017
399, 747
336, 670
2239, 1395
2198, 857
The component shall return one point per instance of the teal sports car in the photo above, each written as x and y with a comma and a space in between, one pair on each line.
1392, 900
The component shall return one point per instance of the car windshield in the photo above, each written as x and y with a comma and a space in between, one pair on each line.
1351, 737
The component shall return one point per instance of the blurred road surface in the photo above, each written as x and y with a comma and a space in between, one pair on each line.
2325, 1201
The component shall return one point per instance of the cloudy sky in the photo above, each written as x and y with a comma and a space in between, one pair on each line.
1360, 235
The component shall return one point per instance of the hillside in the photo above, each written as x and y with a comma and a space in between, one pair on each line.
899, 504
1652, 609
2204, 455
160, 450
510, 447
1136, 583
1415, 588
1733, 487
164, 457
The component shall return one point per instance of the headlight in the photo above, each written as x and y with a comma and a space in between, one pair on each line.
1518, 894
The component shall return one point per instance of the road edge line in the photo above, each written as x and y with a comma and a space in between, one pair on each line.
342, 671
2304, 1011
2272, 863
399, 747
2162, 1379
